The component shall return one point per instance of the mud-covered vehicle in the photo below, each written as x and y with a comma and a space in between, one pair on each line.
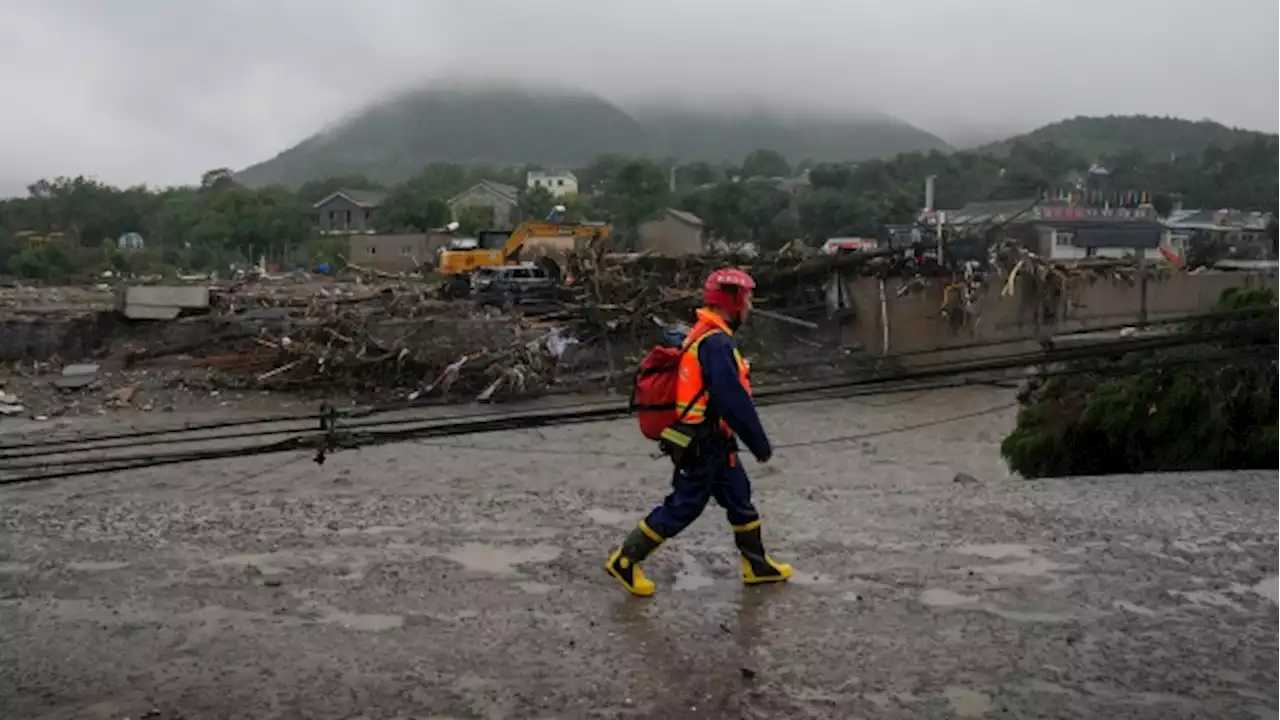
525, 287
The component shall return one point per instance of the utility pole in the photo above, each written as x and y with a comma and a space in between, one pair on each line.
928, 208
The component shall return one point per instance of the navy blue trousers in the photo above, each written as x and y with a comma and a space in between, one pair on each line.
716, 472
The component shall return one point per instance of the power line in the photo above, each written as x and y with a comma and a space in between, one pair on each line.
379, 432
487, 422
368, 411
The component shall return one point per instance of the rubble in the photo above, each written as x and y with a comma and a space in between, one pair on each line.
380, 336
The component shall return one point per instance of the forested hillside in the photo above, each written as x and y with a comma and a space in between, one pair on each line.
1157, 137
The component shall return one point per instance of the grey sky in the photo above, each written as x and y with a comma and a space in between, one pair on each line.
157, 91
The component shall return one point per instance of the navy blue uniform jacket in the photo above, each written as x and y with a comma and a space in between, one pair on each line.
726, 398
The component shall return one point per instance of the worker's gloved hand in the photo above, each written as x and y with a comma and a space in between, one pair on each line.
764, 459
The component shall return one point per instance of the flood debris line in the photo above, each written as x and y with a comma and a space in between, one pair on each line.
393, 337
383, 336
398, 337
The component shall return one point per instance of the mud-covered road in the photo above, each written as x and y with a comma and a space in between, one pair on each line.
463, 579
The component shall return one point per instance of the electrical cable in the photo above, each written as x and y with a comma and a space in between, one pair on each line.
311, 435
378, 437
366, 411
485, 422
277, 447
451, 427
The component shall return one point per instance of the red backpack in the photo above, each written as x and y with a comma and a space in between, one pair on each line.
653, 397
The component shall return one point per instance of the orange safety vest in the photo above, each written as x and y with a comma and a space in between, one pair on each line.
691, 398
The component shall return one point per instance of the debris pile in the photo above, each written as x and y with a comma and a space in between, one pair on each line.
373, 340
393, 338
621, 293
384, 338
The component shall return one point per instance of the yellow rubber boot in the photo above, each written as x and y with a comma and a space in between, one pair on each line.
624, 561
757, 566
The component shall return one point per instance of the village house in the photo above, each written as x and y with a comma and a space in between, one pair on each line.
400, 252
672, 233
1066, 231
501, 199
1245, 231
559, 184
348, 211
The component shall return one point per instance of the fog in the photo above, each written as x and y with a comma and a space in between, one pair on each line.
156, 91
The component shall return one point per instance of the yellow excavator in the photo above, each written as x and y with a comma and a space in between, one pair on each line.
502, 247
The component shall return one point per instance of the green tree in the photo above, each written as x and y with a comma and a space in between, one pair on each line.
1210, 406
637, 191
407, 210
50, 262
765, 163
217, 179
536, 203
474, 218
206, 228
742, 212
8, 248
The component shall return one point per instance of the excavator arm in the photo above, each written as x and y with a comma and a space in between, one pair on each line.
542, 228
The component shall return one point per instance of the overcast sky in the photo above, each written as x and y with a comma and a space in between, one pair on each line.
156, 91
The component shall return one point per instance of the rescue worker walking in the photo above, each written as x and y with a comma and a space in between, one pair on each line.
713, 400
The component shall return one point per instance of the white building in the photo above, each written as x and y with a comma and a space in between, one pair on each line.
560, 183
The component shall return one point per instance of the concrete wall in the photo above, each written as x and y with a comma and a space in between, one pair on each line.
396, 252
670, 237
917, 323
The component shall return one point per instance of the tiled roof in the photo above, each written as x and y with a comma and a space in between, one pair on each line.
507, 192
359, 198
1217, 219
992, 211
685, 217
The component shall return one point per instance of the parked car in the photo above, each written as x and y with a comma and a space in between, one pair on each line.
509, 287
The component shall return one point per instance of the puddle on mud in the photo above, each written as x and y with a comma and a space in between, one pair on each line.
691, 577
967, 703
1044, 686
267, 563
996, 551
1033, 567
1269, 587
366, 622
374, 530
888, 700
938, 597
612, 518
535, 588
500, 559
1207, 598
808, 578
1135, 609
1027, 616
96, 565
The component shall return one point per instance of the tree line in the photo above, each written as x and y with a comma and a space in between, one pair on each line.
66, 227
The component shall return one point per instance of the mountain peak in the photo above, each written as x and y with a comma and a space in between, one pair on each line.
493, 121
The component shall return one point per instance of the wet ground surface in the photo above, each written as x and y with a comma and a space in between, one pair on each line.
463, 579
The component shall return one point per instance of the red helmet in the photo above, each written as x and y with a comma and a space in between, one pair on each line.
727, 289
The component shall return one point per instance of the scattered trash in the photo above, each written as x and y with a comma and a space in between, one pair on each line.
77, 376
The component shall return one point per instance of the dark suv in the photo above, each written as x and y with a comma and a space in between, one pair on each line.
510, 287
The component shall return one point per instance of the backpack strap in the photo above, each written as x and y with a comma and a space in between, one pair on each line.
671, 435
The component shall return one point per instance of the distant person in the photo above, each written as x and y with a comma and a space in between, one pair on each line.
713, 408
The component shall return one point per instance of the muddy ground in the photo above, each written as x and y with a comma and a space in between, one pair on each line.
463, 579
